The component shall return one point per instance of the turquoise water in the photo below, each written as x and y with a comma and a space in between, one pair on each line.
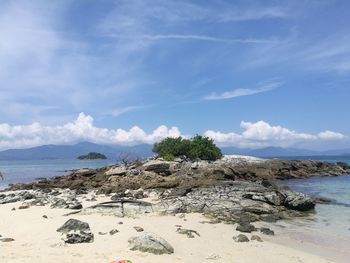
28, 171
326, 231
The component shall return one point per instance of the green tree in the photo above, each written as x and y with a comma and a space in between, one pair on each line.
204, 148
172, 147
196, 147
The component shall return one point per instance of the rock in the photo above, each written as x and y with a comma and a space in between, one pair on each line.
298, 201
78, 236
267, 231
113, 232
102, 233
213, 257
7, 239
85, 172
241, 238
138, 228
73, 224
151, 243
23, 207
246, 228
157, 166
45, 216
256, 238
187, 232
117, 171
75, 206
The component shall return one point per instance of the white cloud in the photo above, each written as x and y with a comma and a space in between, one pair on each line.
255, 135
330, 135
262, 134
241, 92
82, 129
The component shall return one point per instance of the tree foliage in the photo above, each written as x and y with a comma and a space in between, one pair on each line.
196, 147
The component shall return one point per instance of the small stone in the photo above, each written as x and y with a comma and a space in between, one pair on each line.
75, 206
13, 209
45, 216
187, 232
246, 228
256, 238
138, 228
120, 223
102, 233
113, 232
213, 257
23, 207
7, 239
241, 238
267, 231
182, 215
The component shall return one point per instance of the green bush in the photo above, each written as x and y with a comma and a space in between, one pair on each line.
196, 147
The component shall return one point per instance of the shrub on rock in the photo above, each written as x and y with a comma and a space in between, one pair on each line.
196, 147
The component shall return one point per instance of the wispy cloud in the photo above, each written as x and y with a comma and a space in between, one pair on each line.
197, 38
253, 13
242, 92
121, 111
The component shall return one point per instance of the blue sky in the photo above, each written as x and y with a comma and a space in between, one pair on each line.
182, 67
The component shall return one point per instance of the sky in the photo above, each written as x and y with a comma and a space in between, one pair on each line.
247, 74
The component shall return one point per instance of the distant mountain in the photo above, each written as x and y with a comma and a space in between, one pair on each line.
145, 150
73, 151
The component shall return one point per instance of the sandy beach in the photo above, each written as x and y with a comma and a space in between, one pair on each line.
36, 239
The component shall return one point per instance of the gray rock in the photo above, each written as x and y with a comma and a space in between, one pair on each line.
113, 232
256, 238
157, 166
117, 171
151, 243
246, 228
298, 201
7, 239
138, 229
78, 236
73, 224
241, 238
267, 231
190, 233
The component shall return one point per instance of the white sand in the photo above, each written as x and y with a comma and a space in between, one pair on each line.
36, 240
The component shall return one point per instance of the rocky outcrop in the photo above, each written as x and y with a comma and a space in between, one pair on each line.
151, 243
76, 231
184, 174
232, 190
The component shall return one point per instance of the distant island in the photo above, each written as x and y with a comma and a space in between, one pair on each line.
93, 156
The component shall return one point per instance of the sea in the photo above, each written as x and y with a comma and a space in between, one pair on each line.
325, 231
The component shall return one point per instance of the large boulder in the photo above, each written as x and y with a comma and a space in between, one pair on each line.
116, 171
298, 201
73, 224
151, 243
76, 231
158, 166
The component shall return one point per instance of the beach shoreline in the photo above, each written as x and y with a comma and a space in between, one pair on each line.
36, 239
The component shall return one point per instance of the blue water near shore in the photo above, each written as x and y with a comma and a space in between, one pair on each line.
28, 171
